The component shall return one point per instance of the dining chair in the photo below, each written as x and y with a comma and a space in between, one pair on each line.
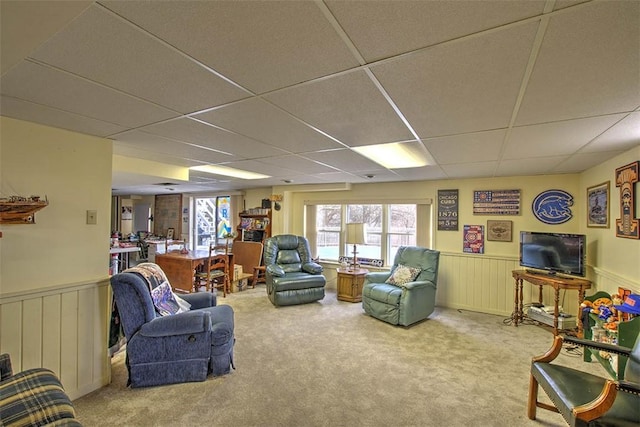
215, 274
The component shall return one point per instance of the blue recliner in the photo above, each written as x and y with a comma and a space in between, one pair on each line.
407, 293
181, 347
291, 276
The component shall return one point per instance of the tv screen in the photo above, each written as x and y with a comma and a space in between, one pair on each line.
553, 252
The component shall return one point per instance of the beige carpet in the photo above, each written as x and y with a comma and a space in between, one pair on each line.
329, 364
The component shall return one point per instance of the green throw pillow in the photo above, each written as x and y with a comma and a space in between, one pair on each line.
402, 275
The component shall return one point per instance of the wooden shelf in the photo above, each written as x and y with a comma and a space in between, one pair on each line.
20, 212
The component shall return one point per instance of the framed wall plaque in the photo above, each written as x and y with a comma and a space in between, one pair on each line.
598, 205
499, 231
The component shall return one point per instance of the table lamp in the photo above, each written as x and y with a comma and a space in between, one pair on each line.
355, 236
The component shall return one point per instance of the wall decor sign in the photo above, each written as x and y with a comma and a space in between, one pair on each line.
553, 207
473, 239
598, 205
499, 231
448, 210
496, 202
627, 226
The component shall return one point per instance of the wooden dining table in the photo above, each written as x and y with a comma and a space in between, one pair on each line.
180, 267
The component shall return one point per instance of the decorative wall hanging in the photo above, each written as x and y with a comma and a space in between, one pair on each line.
499, 231
598, 205
553, 207
496, 202
473, 239
20, 210
447, 210
627, 226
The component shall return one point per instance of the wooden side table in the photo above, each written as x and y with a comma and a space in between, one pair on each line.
350, 284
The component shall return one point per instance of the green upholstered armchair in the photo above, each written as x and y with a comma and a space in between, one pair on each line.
407, 293
291, 275
584, 399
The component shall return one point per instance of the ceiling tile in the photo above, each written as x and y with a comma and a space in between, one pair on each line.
559, 138
466, 86
64, 91
195, 132
467, 148
348, 107
260, 45
382, 29
106, 49
158, 144
25, 110
256, 118
623, 135
469, 170
589, 64
581, 161
525, 166
298, 163
344, 159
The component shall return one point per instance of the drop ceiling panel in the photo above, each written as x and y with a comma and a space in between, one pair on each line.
260, 45
348, 107
467, 148
466, 86
469, 170
192, 131
128, 150
106, 49
589, 64
383, 29
57, 89
344, 159
524, 166
260, 166
623, 135
298, 164
24, 110
581, 161
148, 142
559, 138
425, 172
42, 19
257, 119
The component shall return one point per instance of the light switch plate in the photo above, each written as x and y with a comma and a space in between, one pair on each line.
92, 217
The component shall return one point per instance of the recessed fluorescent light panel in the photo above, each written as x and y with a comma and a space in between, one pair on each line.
227, 171
395, 155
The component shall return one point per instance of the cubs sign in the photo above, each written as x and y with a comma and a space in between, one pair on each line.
553, 207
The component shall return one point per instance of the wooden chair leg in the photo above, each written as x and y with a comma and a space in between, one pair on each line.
532, 403
258, 275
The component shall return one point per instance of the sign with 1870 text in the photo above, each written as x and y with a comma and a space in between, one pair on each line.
447, 210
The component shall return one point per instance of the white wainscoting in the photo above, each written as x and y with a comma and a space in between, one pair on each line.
64, 329
485, 284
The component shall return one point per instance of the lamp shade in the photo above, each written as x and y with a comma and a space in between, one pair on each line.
356, 233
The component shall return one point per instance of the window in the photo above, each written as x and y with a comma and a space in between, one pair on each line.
212, 220
388, 226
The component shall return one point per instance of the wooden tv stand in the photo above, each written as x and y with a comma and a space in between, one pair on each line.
557, 283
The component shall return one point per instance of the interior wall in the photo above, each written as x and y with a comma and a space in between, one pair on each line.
54, 289
611, 255
74, 172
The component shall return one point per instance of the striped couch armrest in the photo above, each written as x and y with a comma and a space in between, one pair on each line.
35, 397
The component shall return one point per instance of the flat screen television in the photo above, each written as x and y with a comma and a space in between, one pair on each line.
553, 253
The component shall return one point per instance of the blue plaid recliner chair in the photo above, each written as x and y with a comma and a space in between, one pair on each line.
171, 348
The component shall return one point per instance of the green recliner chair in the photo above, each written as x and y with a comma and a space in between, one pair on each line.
291, 276
406, 294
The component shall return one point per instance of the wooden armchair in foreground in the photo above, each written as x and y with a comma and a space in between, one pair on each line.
585, 399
